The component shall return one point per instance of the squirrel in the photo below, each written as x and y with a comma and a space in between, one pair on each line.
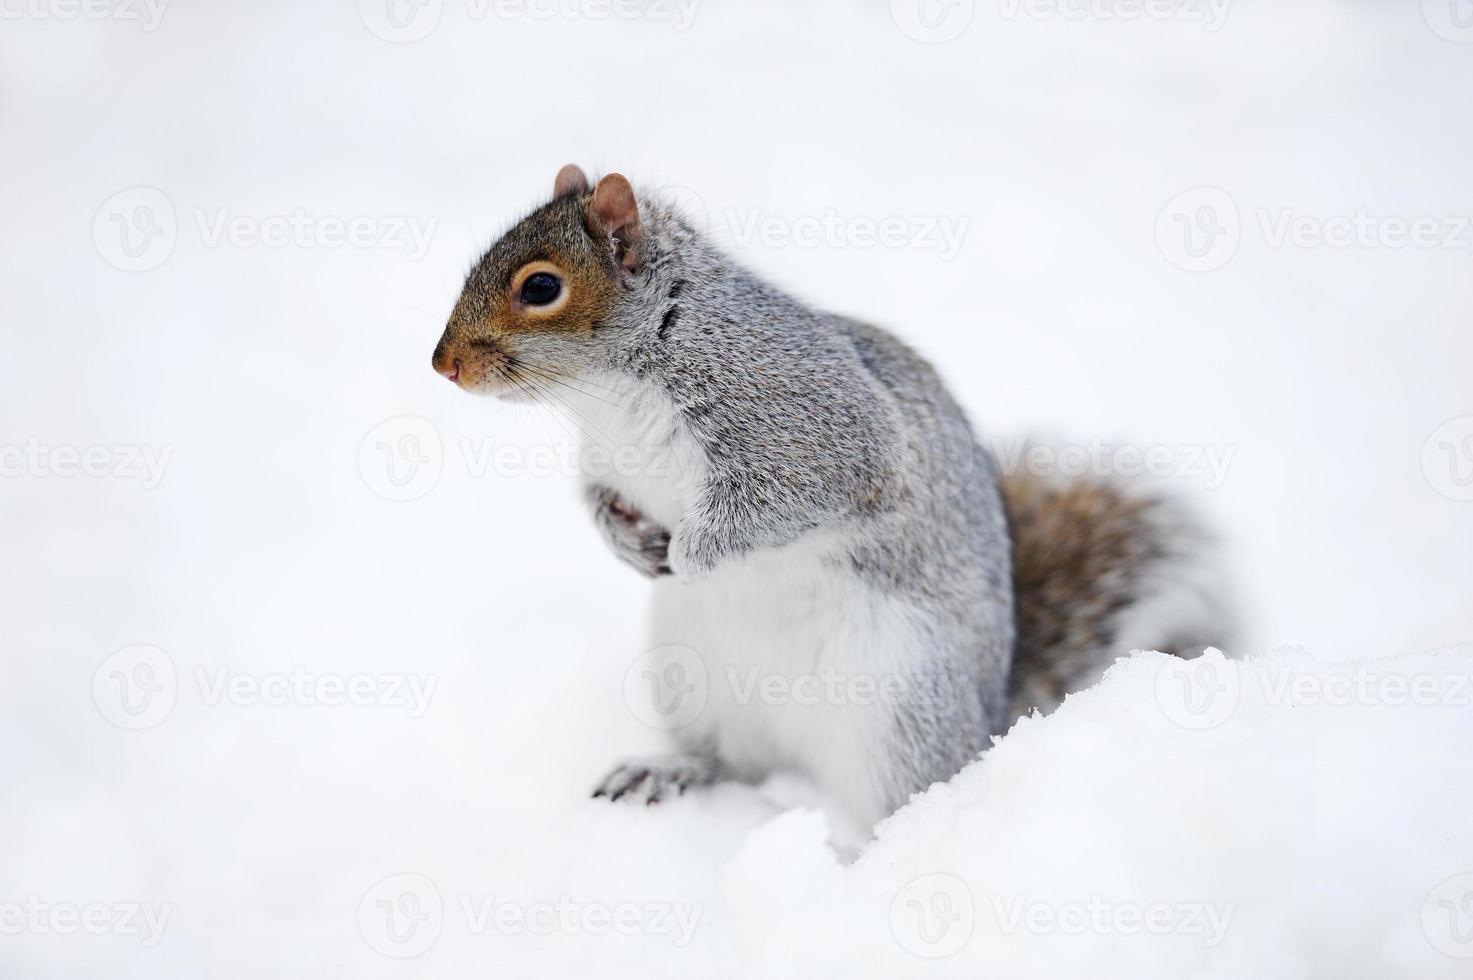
809, 500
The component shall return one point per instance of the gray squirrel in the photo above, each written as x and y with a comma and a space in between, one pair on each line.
810, 501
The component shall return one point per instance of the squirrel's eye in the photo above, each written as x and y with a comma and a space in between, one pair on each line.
541, 288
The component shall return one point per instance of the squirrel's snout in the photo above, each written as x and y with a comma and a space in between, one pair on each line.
446, 365
476, 365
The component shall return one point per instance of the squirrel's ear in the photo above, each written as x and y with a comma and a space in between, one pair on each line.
614, 213
570, 180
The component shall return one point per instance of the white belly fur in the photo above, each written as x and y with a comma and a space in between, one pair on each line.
802, 662
802, 659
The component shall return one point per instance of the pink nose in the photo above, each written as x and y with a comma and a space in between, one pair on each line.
453, 371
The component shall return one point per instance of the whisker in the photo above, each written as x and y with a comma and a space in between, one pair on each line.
549, 370
534, 411
563, 381
606, 443
544, 399
560, 381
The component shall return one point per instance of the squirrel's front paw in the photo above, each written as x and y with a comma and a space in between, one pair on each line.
636, 540
650, 780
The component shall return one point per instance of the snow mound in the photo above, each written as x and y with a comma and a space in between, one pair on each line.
1280, 817
1283, 817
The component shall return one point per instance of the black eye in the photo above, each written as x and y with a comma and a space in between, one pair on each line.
541, 288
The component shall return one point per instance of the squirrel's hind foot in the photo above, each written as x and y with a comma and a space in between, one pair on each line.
649, 781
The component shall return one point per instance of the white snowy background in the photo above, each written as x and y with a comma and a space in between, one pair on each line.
1301, 814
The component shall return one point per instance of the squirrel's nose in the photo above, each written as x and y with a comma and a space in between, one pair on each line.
444, 364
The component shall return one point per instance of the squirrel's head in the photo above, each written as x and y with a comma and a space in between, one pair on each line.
533, 304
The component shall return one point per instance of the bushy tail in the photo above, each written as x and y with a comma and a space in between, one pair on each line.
1101, 568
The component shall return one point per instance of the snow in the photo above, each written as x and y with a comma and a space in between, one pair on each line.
1280, 817
376, 696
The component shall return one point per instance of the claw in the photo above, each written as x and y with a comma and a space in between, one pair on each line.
635, 782
624, 782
